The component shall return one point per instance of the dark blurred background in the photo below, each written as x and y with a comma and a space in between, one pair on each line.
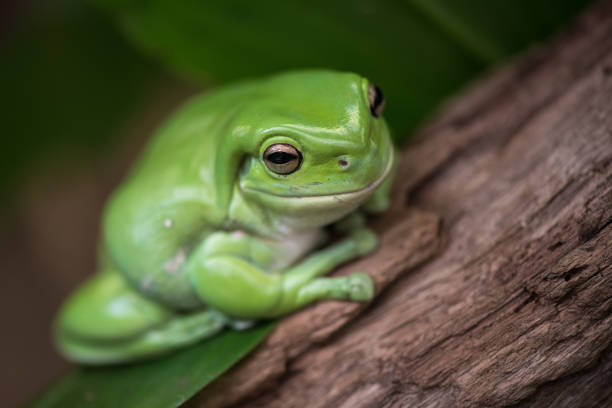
85, 83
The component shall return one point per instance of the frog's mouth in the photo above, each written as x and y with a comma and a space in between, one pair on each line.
323, 200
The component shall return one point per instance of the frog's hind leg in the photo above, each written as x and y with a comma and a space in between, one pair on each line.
106, 322
177, 332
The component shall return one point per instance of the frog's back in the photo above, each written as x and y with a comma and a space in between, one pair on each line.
183, 152
169, 200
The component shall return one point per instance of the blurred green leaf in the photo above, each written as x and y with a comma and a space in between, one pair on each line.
161, 383
69, 80
418, 51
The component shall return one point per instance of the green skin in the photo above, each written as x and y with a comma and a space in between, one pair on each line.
203, 235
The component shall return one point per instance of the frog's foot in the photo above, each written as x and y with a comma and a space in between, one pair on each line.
360, 287
106, 322
357, 287
179, 331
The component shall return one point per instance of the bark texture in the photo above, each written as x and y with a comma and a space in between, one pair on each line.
494, 273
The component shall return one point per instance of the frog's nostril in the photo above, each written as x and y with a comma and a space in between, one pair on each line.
343, 163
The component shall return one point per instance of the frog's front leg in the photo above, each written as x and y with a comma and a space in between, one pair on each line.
229, 274
353, 221
380, 200
377, 203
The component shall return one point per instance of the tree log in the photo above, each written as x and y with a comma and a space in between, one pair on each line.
494, 278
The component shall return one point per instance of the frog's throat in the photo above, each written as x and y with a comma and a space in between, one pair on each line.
347, 197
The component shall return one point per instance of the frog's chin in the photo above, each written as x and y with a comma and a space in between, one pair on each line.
313, 211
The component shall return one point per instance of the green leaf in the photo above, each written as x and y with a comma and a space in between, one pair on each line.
418, 51
69, 80
165, 382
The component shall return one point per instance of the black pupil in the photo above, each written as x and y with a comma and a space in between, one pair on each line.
378, 100
281, 157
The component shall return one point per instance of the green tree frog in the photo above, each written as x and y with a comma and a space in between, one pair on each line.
222, 220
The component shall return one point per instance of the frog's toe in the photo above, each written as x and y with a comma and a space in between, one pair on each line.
361, 287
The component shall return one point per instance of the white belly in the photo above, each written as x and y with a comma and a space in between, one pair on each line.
294, 247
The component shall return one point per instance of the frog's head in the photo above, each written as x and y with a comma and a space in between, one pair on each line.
314, 146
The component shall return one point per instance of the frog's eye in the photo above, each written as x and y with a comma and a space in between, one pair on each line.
282, 158
376, 99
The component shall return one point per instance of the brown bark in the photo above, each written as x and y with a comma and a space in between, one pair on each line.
494, 272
